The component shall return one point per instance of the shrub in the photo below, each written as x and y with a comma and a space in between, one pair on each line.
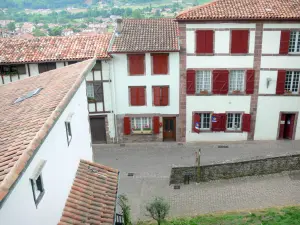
123, 203
158, 209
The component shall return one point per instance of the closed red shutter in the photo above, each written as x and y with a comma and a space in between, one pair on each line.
219, 123
280, 82
156, 125
246, 122
164, 96
220, 82
156, 96
127, 128
250, 81
141, 96
239, 41
133, 96
136, 64
160, 63
204, 41
284, 42
190, 82
209, 41
196, 119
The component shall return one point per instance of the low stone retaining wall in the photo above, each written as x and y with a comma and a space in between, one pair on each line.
236, 169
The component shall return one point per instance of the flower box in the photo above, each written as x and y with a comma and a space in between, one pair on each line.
236, 92
91, 100
205, 92
141, 131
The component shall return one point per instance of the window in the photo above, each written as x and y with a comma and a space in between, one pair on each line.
161, 96
234, 121
136, 64
14, 69
68, 131
37, 184
294, 45
90, 90
292, 81
236, 81
141, 124
44, 67
203, 81
204, 121
137, 96
160, 63
72, 62
204, 41
239, 41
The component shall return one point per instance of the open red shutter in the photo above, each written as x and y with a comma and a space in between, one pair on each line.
209, 41
280, 82
250, 81
220, 81
141, 96
164, 96
136, 64
218, 122
284, 42
156, 96
196, 119
190, 82
127, 128
200, 41
282, 124
246, 122
160, 63
133, 96
239, 41
156, 125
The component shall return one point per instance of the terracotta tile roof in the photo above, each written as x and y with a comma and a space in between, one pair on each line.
92, 199
244, 10
25, 125
146, 35
47, 49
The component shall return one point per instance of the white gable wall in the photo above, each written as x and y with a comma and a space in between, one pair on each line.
58, 173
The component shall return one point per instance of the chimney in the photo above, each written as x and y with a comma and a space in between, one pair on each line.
119, 26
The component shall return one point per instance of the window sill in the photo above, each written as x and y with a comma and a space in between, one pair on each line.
160, 74
233, 131
142, 132
204, 54
203, 131
134, 75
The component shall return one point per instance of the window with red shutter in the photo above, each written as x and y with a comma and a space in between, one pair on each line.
220, 82
246, 122
250, 82
218, 122
156, 96
284, 42
160, 63
137, 96
156, 125
239, 41
190, 82
141, 96
196, 120
136, 64
204, 41
161, 96
127, 127
280, 82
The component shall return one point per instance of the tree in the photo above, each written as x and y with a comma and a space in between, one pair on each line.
136, 14
56, 31
158, 209
11, 26
123, 203
38, 33
157, 13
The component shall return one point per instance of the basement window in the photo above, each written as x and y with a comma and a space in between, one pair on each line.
37, 184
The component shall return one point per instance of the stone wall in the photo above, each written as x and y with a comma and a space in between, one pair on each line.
236, 169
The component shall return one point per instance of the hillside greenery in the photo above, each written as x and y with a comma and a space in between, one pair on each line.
39, 4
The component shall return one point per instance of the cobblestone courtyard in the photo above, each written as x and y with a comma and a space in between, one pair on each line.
151, 165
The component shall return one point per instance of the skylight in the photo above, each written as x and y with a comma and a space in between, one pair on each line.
28, 95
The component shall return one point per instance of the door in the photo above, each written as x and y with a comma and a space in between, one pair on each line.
169, 125
287, 122
98, 130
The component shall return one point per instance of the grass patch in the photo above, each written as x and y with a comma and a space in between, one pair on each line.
272, 216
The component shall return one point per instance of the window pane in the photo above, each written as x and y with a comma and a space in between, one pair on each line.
90, 90
229, 120
203, 81
205, 121
295, 84
292, 41
236, 80
298, 42
237, 121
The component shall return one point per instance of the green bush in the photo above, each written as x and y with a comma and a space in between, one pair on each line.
158, 209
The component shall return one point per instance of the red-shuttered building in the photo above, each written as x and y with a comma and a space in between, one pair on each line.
240, 71
146, 77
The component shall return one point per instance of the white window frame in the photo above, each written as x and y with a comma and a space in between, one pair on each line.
202, 114
296, 48
90, 92
234, 85
292, 75
143, 121
203, 81
233, 127
37, 184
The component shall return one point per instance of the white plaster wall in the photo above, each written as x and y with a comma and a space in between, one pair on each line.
251, 42
34, 69
58, 173
106, 70
271, 42
221, 25
222, 40
190, 42
89, 77
123, 81
280, 62
216, 104
220, 61
97, 75
107, 96
264, 75
267, 117
60, 64
282, 25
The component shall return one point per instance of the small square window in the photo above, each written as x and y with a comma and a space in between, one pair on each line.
90, 90
234, 121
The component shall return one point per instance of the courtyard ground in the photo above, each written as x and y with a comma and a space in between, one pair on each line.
151, 164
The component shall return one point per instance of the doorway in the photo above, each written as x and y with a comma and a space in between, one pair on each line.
287, 124
98, 130
169, 131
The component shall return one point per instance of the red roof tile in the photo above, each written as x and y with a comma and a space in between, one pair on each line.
92, 199
25, 125
146, 35
47, 49
244, 10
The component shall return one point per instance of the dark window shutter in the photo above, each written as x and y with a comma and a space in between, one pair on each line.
156, 125
209, 41
160, 63
127, 128
250, 81
190, 82
284, 42
136, 64
196, 119
98, 90
281, 129
200, 41
156, 96
220, 81
133, 96
280, 82
239, 41
220, 122
246, 122
141, 96
164, 96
